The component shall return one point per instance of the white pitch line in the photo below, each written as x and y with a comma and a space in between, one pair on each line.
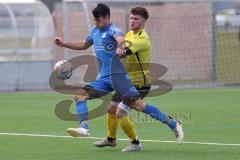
120, 139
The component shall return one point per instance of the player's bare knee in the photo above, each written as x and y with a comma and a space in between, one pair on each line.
137, 108
139, 105
80, 97
112, 109
120, 113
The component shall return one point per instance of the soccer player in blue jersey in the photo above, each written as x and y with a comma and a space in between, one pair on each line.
138, 67
112, 76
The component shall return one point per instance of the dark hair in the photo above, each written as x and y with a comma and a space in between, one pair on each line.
101, 10
141, 11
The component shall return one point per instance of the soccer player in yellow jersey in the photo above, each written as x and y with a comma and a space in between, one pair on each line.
137, 61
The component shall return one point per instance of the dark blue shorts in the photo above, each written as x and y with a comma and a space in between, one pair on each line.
121, 83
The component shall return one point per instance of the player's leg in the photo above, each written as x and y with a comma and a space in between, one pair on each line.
126, 123
82, 111
94, 90
135, 144
128, 127
112, 122
131, 97
122, 84
112, 125
155, 113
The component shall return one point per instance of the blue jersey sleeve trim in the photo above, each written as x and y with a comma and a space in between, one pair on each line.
90, 36
117, 32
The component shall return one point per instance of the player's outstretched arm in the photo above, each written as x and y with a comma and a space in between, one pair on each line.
80, 45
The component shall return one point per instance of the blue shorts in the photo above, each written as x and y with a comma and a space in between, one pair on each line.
121, 83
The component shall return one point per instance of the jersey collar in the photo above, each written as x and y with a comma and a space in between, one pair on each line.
106, 27
139, 32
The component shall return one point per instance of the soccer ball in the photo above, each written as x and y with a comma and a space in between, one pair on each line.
63, 69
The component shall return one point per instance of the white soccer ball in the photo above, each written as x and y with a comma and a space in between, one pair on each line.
63, 69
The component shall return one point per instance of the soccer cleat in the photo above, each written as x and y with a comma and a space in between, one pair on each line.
133, 148
178, 130
105, 143
78, 132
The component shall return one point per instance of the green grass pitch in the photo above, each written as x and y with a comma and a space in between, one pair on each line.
209, 116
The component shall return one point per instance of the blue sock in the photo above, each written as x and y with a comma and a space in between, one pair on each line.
172, 124
82, 112
155, 113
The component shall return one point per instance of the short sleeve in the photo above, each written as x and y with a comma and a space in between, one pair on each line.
139, 44
115, 32
90, 37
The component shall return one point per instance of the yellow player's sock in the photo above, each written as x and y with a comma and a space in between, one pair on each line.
128, 127
112, 123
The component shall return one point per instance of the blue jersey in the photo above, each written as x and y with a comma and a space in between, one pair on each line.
105, 46
113, 75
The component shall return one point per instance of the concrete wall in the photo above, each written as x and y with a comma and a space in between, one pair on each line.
25, 75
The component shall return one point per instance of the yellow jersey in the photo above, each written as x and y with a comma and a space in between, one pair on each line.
138, 63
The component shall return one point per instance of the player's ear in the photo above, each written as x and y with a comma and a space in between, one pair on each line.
107, 17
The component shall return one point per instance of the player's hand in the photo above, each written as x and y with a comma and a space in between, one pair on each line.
121, 52
58, 41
